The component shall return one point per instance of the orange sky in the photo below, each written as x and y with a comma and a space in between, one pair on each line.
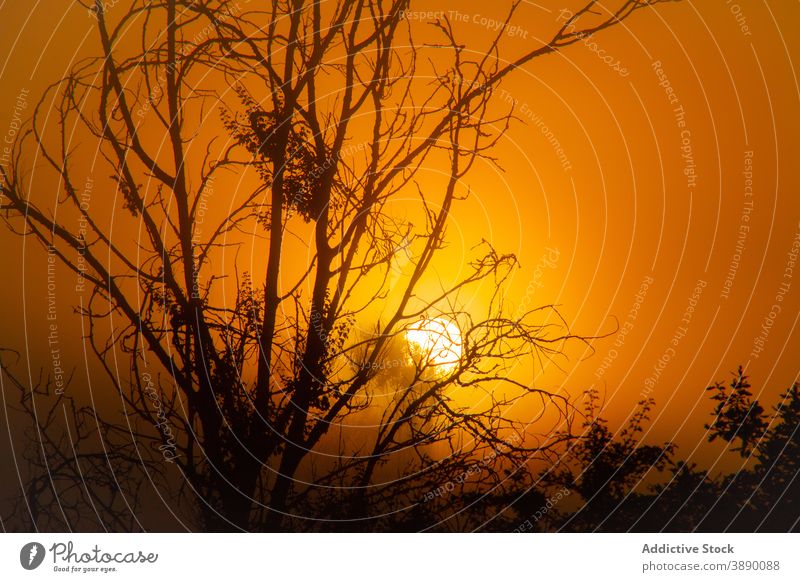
687, 149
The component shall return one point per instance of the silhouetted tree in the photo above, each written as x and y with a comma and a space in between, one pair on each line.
626, 485
605, 468
765, 496
258, 394
737, 416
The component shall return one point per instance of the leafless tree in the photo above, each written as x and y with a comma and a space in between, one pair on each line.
228, 125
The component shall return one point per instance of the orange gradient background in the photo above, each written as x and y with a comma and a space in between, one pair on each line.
589, 224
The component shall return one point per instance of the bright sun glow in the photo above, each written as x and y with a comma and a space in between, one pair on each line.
437, 341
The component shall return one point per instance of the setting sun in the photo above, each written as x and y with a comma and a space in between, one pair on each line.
437, 340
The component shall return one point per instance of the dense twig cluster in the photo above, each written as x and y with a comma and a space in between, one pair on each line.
267, 394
